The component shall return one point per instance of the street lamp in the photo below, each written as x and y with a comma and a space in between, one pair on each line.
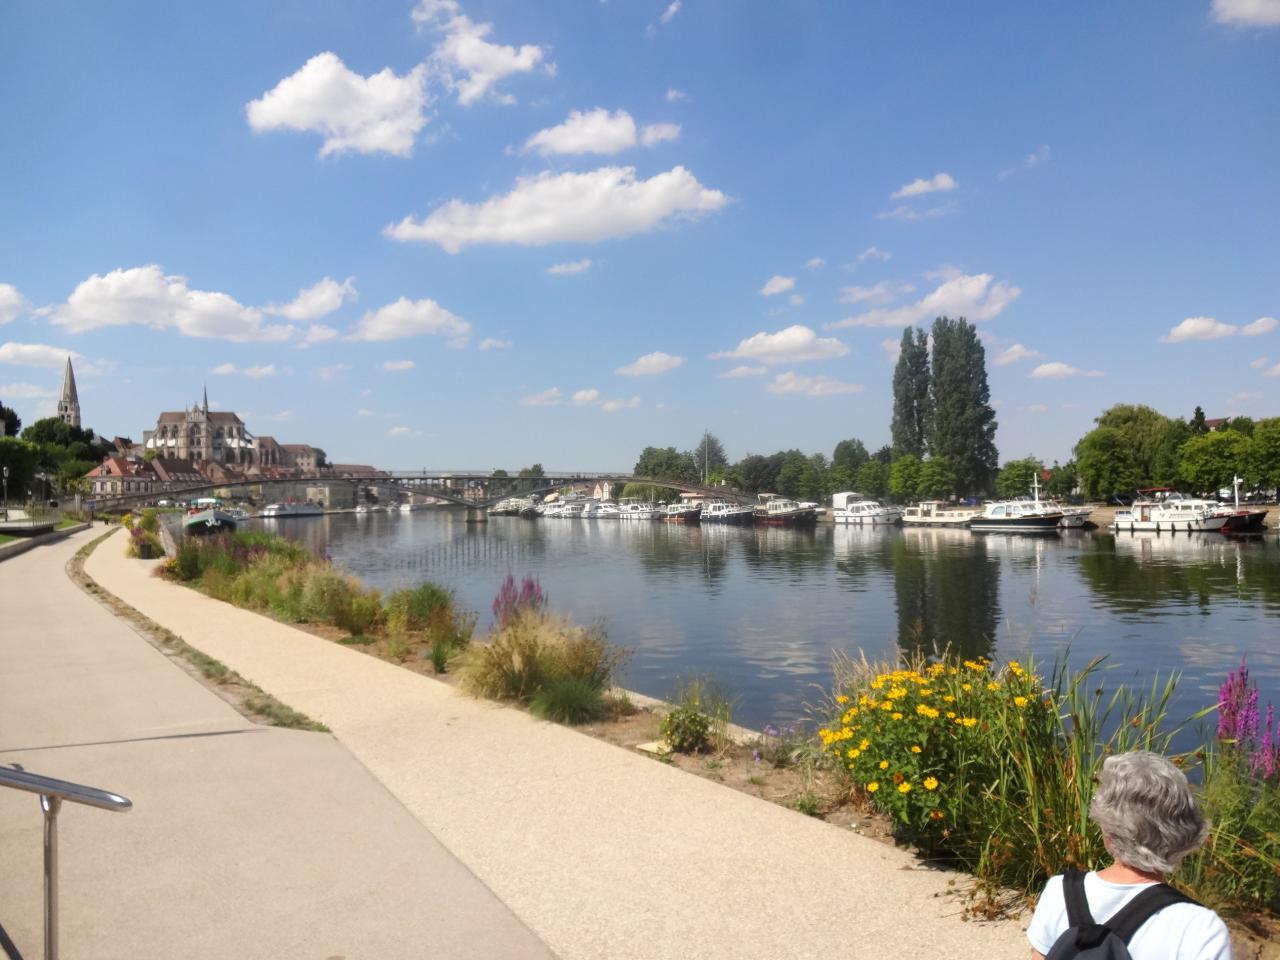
6, 493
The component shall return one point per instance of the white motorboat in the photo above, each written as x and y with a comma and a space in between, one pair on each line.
852, 508
363, 509
722, 511
936, 513
406, 507
600, 510
633, 508
573, 511
278, 511
1071, 516
1017, 516
1162, 510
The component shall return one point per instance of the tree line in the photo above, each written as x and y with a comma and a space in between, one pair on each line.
48, 450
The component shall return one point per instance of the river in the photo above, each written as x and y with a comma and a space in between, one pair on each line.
761, 610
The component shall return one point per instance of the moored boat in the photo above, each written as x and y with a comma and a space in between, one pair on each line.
779, 512
633, 508
278, 511
853, 508
722, 511
936, 513
1016, 516
682, 513
203, 523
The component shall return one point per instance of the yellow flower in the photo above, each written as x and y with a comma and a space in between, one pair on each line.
951, 714
948, 699
915, 748
993, 686
872, 787
926, 691
864, 744
1015, 668
897, 716
853, 753
884, 764
1020, 701
931, 783
969, 721
842, 699
926, 711
966, 686
904, 787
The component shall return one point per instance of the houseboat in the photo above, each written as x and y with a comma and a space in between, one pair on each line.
682, 513
722, 511
278, 511
779, 512
936, 513
1016, 516
852, 508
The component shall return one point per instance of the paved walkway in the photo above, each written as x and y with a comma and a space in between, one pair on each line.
244, 841
601, 852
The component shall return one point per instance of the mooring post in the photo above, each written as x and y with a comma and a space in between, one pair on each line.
477, 515
50, 806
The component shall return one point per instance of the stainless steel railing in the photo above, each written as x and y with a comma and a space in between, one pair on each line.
52, 792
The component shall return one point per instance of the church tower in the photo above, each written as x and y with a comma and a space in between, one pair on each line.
69, 402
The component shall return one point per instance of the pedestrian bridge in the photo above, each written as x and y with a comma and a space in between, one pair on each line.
475, 489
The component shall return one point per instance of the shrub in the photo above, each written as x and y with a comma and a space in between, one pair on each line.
363, 614
569, 700
327, 595
144, 545
703, 695
412, 609
686, 729
150, 522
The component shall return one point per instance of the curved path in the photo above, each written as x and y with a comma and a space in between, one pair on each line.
244, 841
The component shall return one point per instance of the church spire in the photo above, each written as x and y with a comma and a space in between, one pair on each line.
69, 401
206, 399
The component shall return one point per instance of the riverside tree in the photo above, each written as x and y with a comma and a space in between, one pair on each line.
962, 423
1210, 460
1014, 479
911, 398
10, 422
1145, 455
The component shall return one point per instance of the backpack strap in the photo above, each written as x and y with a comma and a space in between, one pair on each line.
1142, 908
1078, 914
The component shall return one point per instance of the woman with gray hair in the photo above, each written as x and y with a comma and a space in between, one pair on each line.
1149, 822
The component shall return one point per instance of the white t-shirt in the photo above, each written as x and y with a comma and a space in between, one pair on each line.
1181, 931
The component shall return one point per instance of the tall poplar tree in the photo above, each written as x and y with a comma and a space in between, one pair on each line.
911, 401
962, 424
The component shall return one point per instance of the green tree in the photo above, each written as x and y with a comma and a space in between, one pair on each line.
1147, 432
52, 430
1062, 479
884, 455
792, 473
1243, 425
936, 480
962, 423
20, 457
872, 479
533, 472
499, 474
1164, 459
1264, 453
708, 455
840, 478
1106, 463
904, 477
1014, 479
1198, 426
851, 455
150, 454
10, 422
667, 463
911, 398
1210, 460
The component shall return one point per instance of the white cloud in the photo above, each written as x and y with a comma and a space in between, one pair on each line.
403, 432
794, 344
412, 318
1247, 13
1207, 328
364, 412
470, 64
37, 355
656, 133
1246, 396
398, 366
613, 406
975, 297
382, 113
596, 131
586, 398
940, 182
650, 365
874, 253
911, 214
1037, 408
796, 299
737, 373
493, 343
566, 269
1037, 157
1056, 370
317, 333
12, 304
881, 293
25, 391
794, 383
777, 284
145, 296
547, 398
588, 207
672, 9
674, 95
1273, 372
316, 301
815, 263
1258, 363
257, 372
335, 372
1015, 353
892, 346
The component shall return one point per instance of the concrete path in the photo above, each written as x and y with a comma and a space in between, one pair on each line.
244, 841
601, 852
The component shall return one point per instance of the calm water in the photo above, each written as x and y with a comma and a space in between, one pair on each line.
761, 610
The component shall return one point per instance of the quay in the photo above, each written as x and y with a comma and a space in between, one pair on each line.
426, 824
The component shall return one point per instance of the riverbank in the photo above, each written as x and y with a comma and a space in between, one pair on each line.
602, 852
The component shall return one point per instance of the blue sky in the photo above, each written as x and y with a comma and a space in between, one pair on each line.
480, 234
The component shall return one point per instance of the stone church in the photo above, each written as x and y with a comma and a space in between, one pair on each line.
200, 434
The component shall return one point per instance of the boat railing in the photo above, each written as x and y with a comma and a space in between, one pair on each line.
52, 793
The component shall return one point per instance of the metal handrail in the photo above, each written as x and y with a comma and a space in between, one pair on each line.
52, 792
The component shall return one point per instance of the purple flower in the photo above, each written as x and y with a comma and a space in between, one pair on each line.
755, 755
1238, 707
1266, 761
770, 730
511, 601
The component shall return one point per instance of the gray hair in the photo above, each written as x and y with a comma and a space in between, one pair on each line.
1146, 811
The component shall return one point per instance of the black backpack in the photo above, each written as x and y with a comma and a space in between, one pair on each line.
1086, 938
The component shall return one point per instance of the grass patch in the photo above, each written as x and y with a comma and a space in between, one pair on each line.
6, 538
358, 640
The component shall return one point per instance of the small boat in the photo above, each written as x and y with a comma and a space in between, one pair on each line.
779, 512
278, 511
573, 511
633, 508
204, 523
1072, 517
852, 508
936, 513
682, 513
1016, 516
406, 507
722, 511
1161, 510
238, 514
600, 510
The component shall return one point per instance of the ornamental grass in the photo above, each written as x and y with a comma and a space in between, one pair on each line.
991, 769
